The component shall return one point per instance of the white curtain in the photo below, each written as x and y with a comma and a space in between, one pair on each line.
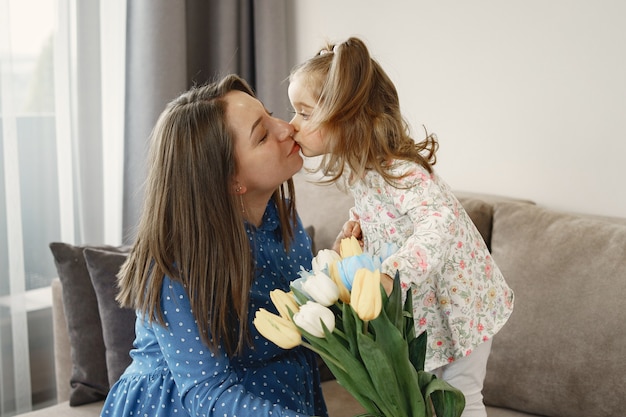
61, 155
64, 134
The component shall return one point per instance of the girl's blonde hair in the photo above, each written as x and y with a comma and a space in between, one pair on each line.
192, 228
358, 112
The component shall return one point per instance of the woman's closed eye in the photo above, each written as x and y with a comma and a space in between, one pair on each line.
265, 132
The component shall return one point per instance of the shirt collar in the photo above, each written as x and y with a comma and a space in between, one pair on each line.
270, 218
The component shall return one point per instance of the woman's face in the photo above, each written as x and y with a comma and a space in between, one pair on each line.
303, 103
265, 150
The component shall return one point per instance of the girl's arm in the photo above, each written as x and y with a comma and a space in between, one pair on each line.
427, 248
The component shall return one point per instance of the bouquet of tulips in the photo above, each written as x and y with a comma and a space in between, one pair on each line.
341, 311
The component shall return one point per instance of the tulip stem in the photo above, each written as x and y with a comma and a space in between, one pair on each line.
324, 355
340, 334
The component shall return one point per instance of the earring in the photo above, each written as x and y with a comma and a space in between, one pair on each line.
238, 191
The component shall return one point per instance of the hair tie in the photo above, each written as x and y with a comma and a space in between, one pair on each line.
327, 51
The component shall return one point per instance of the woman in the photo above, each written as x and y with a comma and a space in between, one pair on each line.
218, 232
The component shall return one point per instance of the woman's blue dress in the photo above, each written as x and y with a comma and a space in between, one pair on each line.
174, 374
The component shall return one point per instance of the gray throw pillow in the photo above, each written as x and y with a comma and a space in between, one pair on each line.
118, 323
89, 381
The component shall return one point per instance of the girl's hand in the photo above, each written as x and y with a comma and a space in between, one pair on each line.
349, 229
387, 283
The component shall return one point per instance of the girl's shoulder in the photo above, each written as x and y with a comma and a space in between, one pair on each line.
409, 173
402, 166
402, 174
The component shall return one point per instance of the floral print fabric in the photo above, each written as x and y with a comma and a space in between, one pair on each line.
421, 231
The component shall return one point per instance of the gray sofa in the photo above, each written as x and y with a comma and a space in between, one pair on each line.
562, 353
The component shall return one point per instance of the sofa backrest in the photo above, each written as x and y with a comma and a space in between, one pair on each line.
325, 208
563, 351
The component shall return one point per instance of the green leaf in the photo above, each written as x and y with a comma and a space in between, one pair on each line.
393, 308
393, 347
381, 367
337, 311
417, 351
447, 400
409, 322
347, 369
349, 321
301, 298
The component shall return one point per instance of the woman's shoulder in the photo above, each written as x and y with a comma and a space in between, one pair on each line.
172, 291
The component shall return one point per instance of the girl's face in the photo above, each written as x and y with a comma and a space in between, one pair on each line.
303, 102
265, 150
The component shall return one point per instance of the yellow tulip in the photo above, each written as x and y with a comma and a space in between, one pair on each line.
277, 329
284, 301
333, 272
349, 247
365, 298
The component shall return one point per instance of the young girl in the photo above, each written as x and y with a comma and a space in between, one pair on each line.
347, 109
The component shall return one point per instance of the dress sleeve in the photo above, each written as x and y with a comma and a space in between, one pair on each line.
427, 248
352, 215
207, 382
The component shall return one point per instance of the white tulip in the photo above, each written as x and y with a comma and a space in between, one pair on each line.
321, 288
311, 316
324, 258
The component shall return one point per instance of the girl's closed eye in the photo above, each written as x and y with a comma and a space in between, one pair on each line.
305, 115
301, 113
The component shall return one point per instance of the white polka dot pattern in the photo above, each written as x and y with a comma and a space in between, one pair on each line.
174, 374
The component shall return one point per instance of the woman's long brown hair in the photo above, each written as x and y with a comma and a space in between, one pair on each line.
191, 228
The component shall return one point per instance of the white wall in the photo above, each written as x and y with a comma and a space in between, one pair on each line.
527, 98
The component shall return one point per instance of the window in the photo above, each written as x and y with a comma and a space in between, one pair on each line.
29, 189
61, 92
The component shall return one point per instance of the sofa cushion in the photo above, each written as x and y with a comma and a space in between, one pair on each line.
118, 323
89, 381
322, 205
571, 268
481, 214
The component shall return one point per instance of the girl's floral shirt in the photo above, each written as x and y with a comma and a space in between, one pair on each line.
421, 230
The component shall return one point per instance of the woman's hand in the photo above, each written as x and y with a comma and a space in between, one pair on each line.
349, 229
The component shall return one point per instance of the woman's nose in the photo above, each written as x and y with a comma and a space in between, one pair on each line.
287, 131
